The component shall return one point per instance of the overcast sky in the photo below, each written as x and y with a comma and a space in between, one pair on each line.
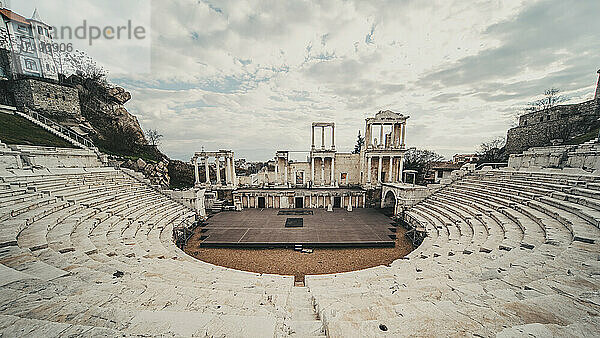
252, 75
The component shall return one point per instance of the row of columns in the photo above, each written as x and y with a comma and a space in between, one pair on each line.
356, 200
398, 135
393, 177
230, 176
331, 170
323, 125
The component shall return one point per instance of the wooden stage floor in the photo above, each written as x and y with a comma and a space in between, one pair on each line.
319, 228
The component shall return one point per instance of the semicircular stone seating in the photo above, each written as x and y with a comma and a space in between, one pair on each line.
90, 252
507, 253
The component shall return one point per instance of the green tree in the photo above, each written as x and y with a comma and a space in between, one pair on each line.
360, 142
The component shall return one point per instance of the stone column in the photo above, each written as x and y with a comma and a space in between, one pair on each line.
401, 168
322, 170
333, 171
312, 170
367, 135
200, 208
217, 165
333, 137
276, 170
233, 175
227, 170
403, 134
196, 173
379, 167
381, 140
323, 138
285, 172
390, 176
369, 169
206, 169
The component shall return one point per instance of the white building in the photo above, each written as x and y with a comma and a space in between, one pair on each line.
28, 45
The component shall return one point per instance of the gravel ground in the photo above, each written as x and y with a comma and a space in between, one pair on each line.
290, 262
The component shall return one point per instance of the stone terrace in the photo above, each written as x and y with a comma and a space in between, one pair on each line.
89, 252
507, 253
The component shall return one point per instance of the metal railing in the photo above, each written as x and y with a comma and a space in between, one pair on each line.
64, 130
183, 232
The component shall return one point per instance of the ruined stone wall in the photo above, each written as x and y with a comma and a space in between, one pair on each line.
6, 97
538, 129
299, 169
53, 100
350, 165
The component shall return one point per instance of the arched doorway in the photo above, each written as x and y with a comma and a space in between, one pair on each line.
389, 203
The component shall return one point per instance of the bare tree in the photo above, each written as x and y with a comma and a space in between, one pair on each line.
153, 137
551, 98
78, 62
421, 160
492, 151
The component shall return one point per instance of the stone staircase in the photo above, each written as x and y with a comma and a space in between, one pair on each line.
217, 206
57, 129
89, 251
506, 253
304, 320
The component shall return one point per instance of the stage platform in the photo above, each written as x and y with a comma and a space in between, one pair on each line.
307, 227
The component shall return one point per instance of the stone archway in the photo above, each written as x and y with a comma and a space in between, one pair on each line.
389, 202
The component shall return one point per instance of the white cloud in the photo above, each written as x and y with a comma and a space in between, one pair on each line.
253, 75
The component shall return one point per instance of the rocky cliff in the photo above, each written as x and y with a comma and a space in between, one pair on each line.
157, 173
114, 129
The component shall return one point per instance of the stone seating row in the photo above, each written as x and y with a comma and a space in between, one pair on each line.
71, 254
498, 258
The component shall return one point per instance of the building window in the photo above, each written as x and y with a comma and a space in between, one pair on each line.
31, 65
22, 28
46, 31
47, 67
40, 30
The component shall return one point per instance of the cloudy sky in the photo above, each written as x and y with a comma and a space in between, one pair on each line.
252, 75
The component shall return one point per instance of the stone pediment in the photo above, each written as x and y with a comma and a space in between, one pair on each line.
389, 115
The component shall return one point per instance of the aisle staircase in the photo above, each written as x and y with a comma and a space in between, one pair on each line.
58, 130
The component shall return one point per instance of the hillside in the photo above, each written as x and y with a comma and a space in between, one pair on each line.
17, 130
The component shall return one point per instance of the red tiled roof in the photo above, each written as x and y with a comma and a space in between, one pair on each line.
13, 16
446, 166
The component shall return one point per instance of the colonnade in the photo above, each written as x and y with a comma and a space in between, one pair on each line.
398, 135
332, 181
395, 167
227, 156
284, 200
323, 125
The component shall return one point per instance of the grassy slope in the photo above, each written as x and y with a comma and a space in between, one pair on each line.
17, 130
